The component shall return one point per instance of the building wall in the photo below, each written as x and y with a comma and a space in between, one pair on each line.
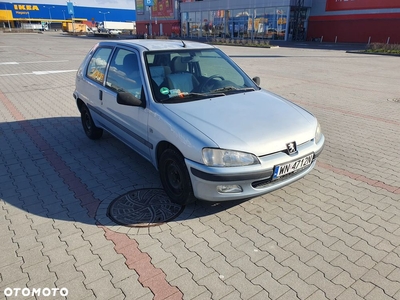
261, 19
56, 11
358, 21
230, 4
164, 17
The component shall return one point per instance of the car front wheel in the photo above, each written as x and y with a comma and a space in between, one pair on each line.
175, 177
90, 129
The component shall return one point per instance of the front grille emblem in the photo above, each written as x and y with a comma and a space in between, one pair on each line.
291, 147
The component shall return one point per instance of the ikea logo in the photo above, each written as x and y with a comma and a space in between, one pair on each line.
25, 7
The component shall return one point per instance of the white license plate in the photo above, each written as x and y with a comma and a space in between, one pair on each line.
293, 166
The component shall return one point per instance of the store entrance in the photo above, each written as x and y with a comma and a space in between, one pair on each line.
298, 23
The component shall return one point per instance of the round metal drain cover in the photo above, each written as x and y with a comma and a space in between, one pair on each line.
143, 208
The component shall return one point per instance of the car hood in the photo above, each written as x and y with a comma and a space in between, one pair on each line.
257, 122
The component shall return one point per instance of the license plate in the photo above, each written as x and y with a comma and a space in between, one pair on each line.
293, 166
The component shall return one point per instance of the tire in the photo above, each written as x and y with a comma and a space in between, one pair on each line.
92, 132
175, 177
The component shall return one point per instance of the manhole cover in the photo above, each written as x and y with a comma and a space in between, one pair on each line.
143, 208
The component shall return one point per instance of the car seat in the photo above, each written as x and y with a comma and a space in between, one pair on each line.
130, 66
181, 78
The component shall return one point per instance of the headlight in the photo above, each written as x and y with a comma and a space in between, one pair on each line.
318, 134
228, 158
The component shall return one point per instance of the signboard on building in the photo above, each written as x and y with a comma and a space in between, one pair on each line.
163, 9
332, 5
70, 7
140, 7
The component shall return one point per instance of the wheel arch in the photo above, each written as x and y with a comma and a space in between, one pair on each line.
80, 104
161, 147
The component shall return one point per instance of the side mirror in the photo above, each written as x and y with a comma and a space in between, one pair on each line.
125, 98
256, 80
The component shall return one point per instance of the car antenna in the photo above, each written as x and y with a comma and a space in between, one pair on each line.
183, 43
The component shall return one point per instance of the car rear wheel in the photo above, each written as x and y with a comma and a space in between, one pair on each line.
175, 177
90, 129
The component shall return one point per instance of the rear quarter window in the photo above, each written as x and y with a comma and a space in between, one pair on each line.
97, 64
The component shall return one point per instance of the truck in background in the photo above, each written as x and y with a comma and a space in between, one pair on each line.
35, 26
75, 27
111, 27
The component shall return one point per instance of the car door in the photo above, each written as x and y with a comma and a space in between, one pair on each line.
91, 86
127, 122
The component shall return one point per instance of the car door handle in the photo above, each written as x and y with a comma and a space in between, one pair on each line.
101, 95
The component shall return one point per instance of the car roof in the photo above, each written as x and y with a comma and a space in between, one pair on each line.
161, 45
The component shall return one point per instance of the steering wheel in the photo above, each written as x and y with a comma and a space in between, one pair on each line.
207, 81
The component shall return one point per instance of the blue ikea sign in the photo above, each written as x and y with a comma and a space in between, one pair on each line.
149, 2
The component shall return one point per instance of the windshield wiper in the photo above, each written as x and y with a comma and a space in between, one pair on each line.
232, 88
182, 97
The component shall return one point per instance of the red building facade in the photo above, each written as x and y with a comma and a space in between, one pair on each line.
355, 21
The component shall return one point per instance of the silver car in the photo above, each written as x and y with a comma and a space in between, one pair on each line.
208, 128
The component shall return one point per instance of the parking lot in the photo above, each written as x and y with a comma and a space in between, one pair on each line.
335, 234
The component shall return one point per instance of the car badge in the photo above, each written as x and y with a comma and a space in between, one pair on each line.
291, 148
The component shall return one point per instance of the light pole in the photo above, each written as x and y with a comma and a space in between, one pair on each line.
29, 16
8, 19
70, 7
104, 14
150, 25
63, 13
49, 16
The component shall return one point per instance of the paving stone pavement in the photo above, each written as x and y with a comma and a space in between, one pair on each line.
335, 234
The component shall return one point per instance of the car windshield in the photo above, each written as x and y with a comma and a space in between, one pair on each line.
187, 75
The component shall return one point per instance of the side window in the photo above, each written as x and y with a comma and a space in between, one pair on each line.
98, 64
124, 73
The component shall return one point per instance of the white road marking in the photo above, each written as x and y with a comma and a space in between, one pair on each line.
38, 73
42, 61
30, 62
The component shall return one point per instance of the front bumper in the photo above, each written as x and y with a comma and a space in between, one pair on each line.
254, 180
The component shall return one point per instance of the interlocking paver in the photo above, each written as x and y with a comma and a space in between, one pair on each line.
375, 254
263, 295
330, 289
213, 239
103, 288
12, 273
389, 287
198, 269
349, 294
172, 269
274, 288
196, 290
230, 253
298, 286
205, 252
377, 293
39, 273
243, 286
354, 270
327, 269
303, 253
216, 286
92, 271
131, 290
340, 235
303, 270
350, 253
77, 290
